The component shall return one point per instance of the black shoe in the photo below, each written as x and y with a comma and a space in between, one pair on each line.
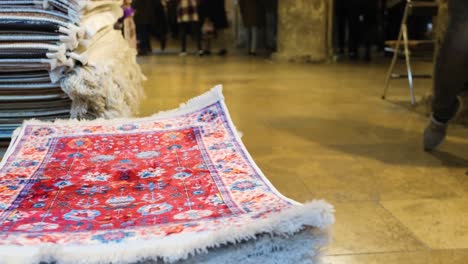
222, 52
367, 58
436, 131
353, 56
434, 134
252, 53
143, 52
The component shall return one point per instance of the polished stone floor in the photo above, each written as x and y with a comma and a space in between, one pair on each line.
322, 131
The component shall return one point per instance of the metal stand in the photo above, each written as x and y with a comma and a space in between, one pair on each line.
403, 39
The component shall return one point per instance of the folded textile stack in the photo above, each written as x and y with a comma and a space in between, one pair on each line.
61, 59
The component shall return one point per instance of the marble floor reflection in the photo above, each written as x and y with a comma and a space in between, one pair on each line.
322, 131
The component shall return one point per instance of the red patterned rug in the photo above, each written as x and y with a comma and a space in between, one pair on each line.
178, 186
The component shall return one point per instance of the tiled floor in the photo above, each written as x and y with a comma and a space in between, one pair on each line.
322, 131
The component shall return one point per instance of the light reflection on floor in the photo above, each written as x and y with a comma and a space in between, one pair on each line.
321, 131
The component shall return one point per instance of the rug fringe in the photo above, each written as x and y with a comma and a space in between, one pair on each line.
206, 99
316, 214
305, 247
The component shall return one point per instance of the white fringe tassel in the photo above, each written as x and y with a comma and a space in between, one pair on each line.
283, 226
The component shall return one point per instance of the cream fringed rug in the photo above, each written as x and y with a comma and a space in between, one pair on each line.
178, 187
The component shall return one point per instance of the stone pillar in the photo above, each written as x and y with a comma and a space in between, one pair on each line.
303, 30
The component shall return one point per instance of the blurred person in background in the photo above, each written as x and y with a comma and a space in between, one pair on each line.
357, 26
173, 26
144, 19
160, 26
189, 24
127, 25
253, 17
271, 24
213, 16
364, 17
208, 33
343, 17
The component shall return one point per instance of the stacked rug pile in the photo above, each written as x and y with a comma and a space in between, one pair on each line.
177, 187
61, 59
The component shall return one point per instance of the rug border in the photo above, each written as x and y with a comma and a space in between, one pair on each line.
201, 101
317, 214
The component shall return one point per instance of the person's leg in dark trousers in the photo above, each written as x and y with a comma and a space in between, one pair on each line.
139, 35
450, 76
161, 23
204, 47
194, 29
183, 29
163, 42
369, 26
452, 63
354, 32
341, 25
196, 33
143, 36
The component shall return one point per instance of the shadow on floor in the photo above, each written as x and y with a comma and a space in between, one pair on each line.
423, 108
385, 144
450, 160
